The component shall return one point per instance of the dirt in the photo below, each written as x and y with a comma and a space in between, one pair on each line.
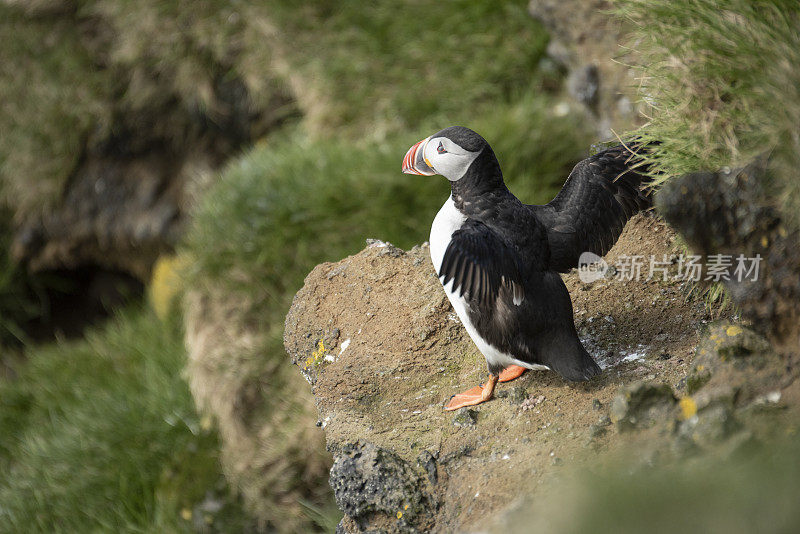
375, 336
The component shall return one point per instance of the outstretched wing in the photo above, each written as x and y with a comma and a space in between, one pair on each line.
479, 262
588, 214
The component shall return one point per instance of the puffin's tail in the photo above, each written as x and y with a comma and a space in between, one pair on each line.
556, 344
562, 352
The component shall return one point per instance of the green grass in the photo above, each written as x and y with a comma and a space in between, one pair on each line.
387, 67
101, 434
52, 99
722, 83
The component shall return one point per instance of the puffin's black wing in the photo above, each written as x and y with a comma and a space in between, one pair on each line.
588, 214
479, 262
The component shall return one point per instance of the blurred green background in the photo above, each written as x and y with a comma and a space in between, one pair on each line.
299, 115
263, 138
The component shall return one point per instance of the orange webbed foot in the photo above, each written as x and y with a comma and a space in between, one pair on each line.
473, 396
511, 372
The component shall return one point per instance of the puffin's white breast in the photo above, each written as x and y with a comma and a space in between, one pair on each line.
447, 221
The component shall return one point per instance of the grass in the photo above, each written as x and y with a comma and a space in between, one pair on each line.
52, 99
380, 67
722, 85
102, 434
387, 67
75, 83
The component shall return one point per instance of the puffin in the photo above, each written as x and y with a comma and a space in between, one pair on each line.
499, 260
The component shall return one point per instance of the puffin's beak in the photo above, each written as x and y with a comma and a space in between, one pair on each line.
414, 161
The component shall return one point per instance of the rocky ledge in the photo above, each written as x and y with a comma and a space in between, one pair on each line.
375, 337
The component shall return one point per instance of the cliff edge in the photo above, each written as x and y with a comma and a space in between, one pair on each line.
377, 340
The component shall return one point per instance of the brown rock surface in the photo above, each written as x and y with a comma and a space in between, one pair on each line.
375, 336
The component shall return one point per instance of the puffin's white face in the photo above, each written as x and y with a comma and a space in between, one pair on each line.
447, 158
438, 155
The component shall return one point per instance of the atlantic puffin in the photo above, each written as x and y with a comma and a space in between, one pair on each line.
499, 259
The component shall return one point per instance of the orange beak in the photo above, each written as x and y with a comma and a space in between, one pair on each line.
414, 161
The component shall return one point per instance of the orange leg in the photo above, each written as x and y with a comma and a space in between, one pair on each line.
511, 372
476, 395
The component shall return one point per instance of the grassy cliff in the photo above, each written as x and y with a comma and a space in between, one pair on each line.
369, 88
721, 85
311, 108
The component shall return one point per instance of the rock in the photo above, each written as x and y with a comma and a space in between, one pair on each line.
600, 428
725, 345
729, 212
596, 431
698, 378
407, 355
427, 461
119, 215
712, 424
516, 395
128, 167
766, 402
465, 417
641, 405
585, 50
532, 402
379, 491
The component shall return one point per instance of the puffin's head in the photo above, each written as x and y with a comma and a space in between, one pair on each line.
449, 152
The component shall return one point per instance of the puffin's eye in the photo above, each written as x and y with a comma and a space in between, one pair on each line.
440, 149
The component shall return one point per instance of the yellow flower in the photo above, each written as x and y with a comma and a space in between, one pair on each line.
317, 356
